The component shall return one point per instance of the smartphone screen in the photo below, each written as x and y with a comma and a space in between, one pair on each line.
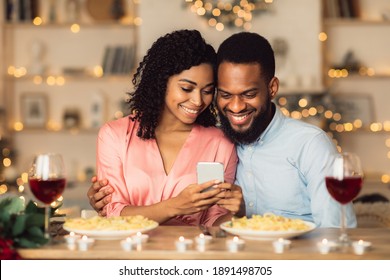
207, 171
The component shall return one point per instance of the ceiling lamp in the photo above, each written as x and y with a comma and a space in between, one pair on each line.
228, 13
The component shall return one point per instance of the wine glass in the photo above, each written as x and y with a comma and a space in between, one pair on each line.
47, 181
344, 182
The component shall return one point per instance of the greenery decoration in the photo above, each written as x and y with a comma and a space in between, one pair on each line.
20, 227
228, 13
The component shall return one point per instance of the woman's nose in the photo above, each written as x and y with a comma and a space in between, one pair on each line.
196, 98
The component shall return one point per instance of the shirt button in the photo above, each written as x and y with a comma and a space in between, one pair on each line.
251, 204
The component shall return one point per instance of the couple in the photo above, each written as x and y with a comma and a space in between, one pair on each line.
147, 162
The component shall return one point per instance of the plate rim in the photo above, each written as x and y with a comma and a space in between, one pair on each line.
266, 235
109, 233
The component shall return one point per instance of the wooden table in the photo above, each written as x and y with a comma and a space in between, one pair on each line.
161, 245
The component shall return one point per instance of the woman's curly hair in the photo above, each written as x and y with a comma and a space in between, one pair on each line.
169, 55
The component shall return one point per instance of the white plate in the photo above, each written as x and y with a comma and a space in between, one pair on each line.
265, 235
110, 234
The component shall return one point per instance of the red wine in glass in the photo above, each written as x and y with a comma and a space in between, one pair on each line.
345, 190
344, 182
47, 181
47, 191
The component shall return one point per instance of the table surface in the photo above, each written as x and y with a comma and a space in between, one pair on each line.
161, 245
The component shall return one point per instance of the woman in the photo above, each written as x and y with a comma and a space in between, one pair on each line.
150, 157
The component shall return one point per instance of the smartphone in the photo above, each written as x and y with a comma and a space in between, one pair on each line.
209, 170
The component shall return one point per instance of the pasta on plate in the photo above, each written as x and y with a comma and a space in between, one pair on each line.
110, 224
268, 222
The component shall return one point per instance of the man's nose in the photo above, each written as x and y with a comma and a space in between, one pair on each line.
236, 104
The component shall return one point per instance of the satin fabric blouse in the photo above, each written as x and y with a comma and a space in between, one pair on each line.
135, 169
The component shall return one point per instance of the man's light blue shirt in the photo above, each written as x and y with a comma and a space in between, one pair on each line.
284, 171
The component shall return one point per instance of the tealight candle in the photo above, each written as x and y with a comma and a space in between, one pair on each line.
280, 245
324, 246
182, 244
235, 244
140, 238
360, 247
71, 239
85, 242
202, 239
127, 244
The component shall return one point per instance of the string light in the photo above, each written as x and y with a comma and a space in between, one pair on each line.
228, 13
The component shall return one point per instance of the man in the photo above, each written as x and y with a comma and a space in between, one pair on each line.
282, 161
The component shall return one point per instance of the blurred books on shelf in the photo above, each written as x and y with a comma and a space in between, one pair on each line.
21, 10
118, 59
342, 9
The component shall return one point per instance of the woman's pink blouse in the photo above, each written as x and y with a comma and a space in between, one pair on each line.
135, 170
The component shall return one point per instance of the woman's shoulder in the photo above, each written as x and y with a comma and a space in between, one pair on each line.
119, 126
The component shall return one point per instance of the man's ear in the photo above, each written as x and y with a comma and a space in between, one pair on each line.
273, 87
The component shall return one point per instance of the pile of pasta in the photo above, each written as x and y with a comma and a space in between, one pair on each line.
110, 224
269, 222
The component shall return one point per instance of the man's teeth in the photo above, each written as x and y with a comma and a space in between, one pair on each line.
239, 118
190, 110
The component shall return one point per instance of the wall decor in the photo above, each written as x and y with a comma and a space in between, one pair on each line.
355, 107
34, 110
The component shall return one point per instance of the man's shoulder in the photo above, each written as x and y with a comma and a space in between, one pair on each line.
302, 127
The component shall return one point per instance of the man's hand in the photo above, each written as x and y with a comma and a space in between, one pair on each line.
99, 195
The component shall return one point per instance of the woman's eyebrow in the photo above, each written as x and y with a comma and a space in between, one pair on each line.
195, 84
188, 81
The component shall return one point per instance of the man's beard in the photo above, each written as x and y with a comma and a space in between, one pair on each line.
259, 124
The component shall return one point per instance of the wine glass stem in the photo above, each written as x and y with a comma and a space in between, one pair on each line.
344, 236
47, 222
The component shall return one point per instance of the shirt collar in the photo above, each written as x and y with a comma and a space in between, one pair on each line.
274, 126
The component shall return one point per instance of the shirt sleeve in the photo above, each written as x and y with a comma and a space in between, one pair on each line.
109, 166
325, 210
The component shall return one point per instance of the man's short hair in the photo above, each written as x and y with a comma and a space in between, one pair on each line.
248, 47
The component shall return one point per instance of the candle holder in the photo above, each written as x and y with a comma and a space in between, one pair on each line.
281, 245
127, 244
236, 244
140, 238
325, 246
84, 243
71, 240
361, 246
203, 240
182, 244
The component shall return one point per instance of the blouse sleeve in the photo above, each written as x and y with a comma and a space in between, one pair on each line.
110, 166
